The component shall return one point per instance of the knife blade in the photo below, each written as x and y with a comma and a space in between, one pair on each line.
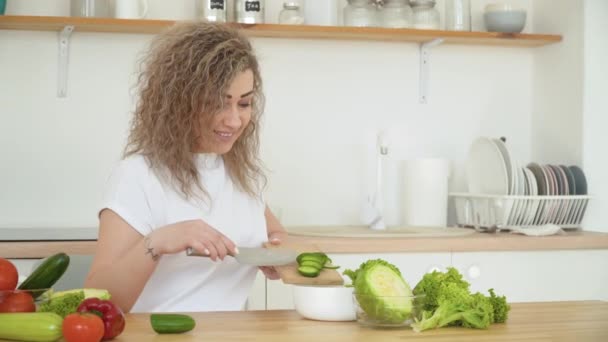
258, 256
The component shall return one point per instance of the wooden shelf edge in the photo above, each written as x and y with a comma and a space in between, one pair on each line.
111, 25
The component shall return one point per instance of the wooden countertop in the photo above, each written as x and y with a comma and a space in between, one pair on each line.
476, 242
554, 321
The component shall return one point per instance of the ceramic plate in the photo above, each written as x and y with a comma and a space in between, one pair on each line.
564, 180
571, 181
506, 156
579, 179
486, 169
539, 175
558, 179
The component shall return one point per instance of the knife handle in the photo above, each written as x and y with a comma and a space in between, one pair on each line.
192, 252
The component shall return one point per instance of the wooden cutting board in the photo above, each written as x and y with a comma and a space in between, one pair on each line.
289, 273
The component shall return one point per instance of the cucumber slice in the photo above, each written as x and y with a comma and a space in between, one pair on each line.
308, 271
312, 263
316, 256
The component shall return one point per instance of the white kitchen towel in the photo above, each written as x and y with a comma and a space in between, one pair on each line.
546, 229
425, 192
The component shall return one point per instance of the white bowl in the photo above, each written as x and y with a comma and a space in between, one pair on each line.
500, 7
325, 303
505, 22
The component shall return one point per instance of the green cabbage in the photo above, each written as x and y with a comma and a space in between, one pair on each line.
381, 292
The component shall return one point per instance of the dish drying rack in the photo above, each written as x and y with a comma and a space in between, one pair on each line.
504, 212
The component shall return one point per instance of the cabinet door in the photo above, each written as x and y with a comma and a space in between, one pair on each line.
257, 296
539, 275
413, 266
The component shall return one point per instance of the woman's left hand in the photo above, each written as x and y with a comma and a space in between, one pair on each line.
269, 271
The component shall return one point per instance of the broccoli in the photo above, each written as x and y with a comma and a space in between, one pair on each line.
430, 284
501, 308
381, 291
64, 303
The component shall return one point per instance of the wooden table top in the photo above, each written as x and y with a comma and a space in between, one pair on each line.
550, 321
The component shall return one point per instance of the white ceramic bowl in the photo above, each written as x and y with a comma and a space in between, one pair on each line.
505, 21
500, 7
325, 303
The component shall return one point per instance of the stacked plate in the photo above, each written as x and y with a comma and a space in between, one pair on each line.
522, 192
492, 170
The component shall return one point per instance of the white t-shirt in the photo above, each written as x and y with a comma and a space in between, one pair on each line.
181, 283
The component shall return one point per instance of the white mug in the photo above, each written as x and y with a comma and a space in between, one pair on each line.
131, 9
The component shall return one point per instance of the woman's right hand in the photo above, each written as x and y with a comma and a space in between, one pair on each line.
177, 237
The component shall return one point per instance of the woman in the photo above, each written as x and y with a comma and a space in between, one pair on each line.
190, 178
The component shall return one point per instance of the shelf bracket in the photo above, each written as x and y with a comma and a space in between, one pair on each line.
64, 52
425, 54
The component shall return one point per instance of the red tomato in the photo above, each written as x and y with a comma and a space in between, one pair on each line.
82, 327
17, 302
8, 275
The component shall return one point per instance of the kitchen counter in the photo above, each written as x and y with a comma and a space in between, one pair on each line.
476, 242
555, 321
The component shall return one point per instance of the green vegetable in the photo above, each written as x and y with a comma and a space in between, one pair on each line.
31, 326
501, 308
381, 291
64, 303
171, 323
47, 273
309, 271
430, 284
311, 264
449, 302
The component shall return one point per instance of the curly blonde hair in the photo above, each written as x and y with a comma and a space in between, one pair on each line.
182, 82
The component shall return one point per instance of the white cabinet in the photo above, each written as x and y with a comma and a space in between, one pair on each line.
536, 276
413, 266
257, 295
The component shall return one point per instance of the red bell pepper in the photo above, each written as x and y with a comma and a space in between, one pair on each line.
111, 315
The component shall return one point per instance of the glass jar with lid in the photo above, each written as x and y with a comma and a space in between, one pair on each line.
395, 14
212, 10
249, 11
360, 13
424, 15
291, 14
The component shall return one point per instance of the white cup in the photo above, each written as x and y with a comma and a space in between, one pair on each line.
426, 192
131, 9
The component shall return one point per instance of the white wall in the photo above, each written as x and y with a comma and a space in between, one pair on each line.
595, 110
558, 81
326, 100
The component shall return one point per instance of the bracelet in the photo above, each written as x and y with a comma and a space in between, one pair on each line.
150, 250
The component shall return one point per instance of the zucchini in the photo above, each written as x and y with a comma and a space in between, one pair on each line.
171, 323
31, 326
47, 273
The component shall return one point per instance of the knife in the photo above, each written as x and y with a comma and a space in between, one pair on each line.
258, 256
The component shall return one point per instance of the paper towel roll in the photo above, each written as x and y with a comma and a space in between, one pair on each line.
425, 193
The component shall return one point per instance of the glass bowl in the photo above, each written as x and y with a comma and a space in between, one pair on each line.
387, 312
22, 300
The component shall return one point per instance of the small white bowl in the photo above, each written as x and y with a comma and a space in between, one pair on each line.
505, 22
500, 7
325, 303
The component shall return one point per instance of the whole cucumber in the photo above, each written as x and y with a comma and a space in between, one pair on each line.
171, 323
47, 273
30, 326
